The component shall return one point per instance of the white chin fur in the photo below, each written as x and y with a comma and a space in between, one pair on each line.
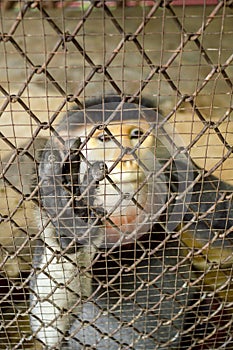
132, 219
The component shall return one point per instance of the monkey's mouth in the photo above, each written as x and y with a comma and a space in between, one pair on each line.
129, 207
128, 177
116, 194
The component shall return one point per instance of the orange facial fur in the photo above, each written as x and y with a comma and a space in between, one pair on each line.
129, 161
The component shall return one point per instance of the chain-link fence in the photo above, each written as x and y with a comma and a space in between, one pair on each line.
116, 175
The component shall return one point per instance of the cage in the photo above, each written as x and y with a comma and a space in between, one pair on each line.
116, 175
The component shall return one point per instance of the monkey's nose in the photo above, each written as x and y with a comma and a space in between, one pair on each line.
129, 165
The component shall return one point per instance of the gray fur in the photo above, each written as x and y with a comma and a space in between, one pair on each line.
145, 305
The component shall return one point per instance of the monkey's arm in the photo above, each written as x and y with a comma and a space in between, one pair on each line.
65, 250
202, 213
207, 232
145, 304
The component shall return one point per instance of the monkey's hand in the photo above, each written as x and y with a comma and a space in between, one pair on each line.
69, 203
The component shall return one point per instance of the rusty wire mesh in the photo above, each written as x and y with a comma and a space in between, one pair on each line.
180, 58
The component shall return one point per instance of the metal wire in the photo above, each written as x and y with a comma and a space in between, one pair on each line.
56, 58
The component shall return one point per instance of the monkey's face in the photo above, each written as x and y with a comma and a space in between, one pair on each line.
129, 193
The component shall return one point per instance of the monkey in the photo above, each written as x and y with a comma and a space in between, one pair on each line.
119, 203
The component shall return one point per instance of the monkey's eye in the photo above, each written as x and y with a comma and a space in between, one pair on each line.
136, 133
104, 138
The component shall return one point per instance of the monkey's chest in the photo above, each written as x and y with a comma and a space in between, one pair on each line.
133, 305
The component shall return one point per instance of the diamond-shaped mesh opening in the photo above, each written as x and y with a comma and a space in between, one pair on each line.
116, 175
